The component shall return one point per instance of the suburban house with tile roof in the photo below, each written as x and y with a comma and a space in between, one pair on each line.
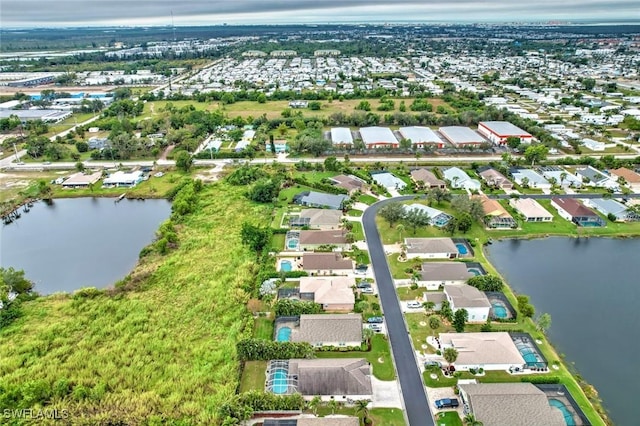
349, 182
318, 219
335, 294
495, 215
490, 351
531, 210
494, 178
425, 178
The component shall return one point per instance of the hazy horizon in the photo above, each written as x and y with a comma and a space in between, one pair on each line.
140, 13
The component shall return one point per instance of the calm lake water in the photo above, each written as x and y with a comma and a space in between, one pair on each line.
590, 288
80, 242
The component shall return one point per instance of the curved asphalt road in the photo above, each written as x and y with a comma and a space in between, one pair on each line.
416, 405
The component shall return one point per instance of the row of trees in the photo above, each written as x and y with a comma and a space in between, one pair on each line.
264, 350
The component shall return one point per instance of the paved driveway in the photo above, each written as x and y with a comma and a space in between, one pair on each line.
418, 412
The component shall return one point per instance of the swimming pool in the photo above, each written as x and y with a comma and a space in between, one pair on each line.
279, 381
568, 417
530, 355
462, 249
284, 334
292, 244
475, 271
285, 265
499, 310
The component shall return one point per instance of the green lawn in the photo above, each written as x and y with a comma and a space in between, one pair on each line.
405, 293
286, 195
263, 328
367, 199
358, 232
314, 176
278, 216
354, 213
380, 416
448, 418
277, 242
379, 357
253, 376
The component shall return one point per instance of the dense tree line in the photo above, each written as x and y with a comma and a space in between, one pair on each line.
264, 350
292, 308
242, 406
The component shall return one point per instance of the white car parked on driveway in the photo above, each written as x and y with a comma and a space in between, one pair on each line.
414, 305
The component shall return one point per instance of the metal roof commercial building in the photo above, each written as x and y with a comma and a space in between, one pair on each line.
341, 136
375, 137
498, 132
421, 136
460, 136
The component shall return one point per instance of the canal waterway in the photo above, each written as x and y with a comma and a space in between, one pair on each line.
590, 286
80, 242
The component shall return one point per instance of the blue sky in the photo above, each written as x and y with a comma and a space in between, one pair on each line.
46, 13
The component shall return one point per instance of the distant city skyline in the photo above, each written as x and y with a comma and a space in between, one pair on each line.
64, 13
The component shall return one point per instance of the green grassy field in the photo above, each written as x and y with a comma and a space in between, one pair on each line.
164, 351
448, 418
379, 416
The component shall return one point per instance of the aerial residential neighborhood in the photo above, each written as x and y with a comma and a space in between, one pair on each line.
305, 223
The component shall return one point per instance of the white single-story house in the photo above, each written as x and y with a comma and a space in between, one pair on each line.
434, 275
459, 179
593, 177
123, 179
464, 296
490, 350
436, 217
609, 206
388, 181
81, 180
531, 210
561, 177
430, 248
593, 145
528, 177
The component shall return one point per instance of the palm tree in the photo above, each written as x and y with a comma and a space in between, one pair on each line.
314, 403
400, 229
563, 176
435, 323
470, 420
450, 355
363, 410
333, 405
367, 334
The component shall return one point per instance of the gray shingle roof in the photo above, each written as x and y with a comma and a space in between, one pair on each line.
430, 245
332, 201
332, 376
466, 296
325, 261
328, 328
444, 271
513, 404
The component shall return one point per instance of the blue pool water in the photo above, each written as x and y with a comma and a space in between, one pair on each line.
499, 310
475, 271
284, 334
462, 249
568, 417
292, 244
279, 385
285, 265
